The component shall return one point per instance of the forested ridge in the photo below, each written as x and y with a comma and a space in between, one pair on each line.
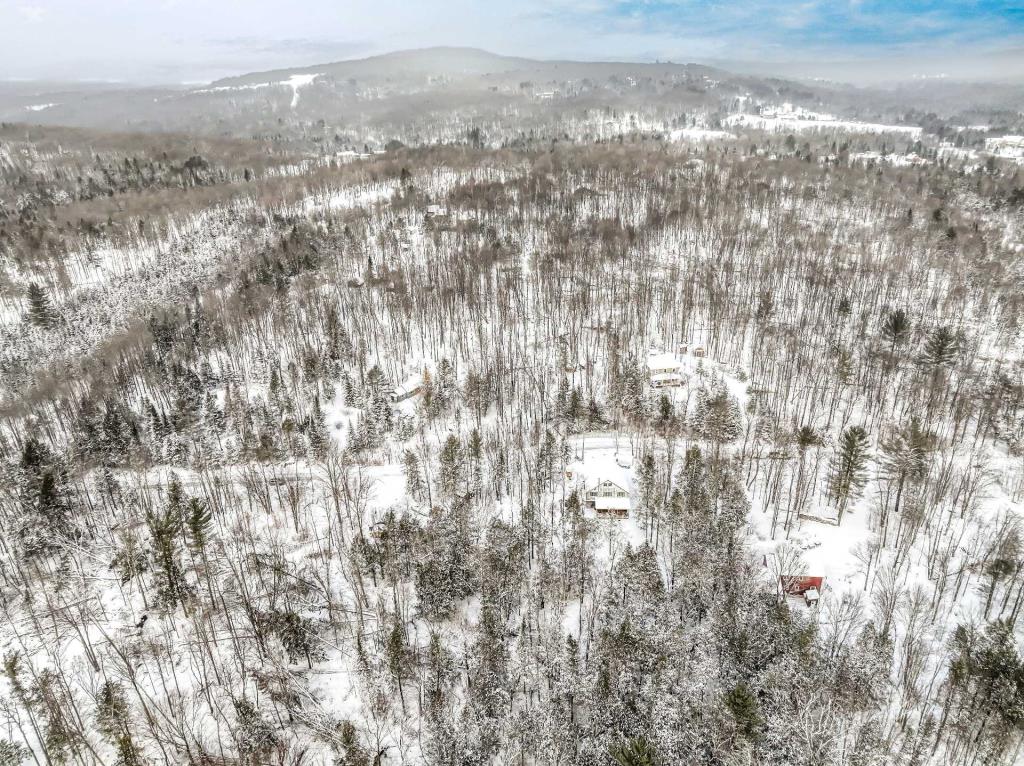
300, 457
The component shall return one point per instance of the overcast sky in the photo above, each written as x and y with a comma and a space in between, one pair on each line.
200, 40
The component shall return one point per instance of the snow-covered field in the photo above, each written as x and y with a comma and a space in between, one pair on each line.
813, 123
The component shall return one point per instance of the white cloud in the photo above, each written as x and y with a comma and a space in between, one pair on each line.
33, 14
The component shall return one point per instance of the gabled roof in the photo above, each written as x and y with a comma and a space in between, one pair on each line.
607, 484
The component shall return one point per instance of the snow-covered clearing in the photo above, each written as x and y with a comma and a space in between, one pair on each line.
786, 124
297, 82
701, 134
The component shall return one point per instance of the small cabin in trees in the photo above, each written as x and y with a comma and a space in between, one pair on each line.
608, 499
411, 387
667, 380
699, 352
662, 364
437, 213
663, 371
802, 585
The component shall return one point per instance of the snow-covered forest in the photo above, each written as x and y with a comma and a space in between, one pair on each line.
601, 440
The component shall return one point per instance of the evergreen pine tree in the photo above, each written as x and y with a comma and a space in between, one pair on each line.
413, 476
849, 468
634, 752
896, 328
940, 349
40, 312
451, 467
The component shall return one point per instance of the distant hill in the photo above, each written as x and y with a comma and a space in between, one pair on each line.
435, 95
425, 62
466, 67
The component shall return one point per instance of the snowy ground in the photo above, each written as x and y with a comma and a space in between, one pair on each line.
701, 134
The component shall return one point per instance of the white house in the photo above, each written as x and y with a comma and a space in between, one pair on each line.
662, 364
608, 499
667, 380
1011, 147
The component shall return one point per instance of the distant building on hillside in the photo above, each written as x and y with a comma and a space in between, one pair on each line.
436, 211
1010, 147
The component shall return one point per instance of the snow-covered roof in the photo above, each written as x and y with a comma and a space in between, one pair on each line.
608, 484
410, 384
611, 503
600, 465
666, 377
664, 361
